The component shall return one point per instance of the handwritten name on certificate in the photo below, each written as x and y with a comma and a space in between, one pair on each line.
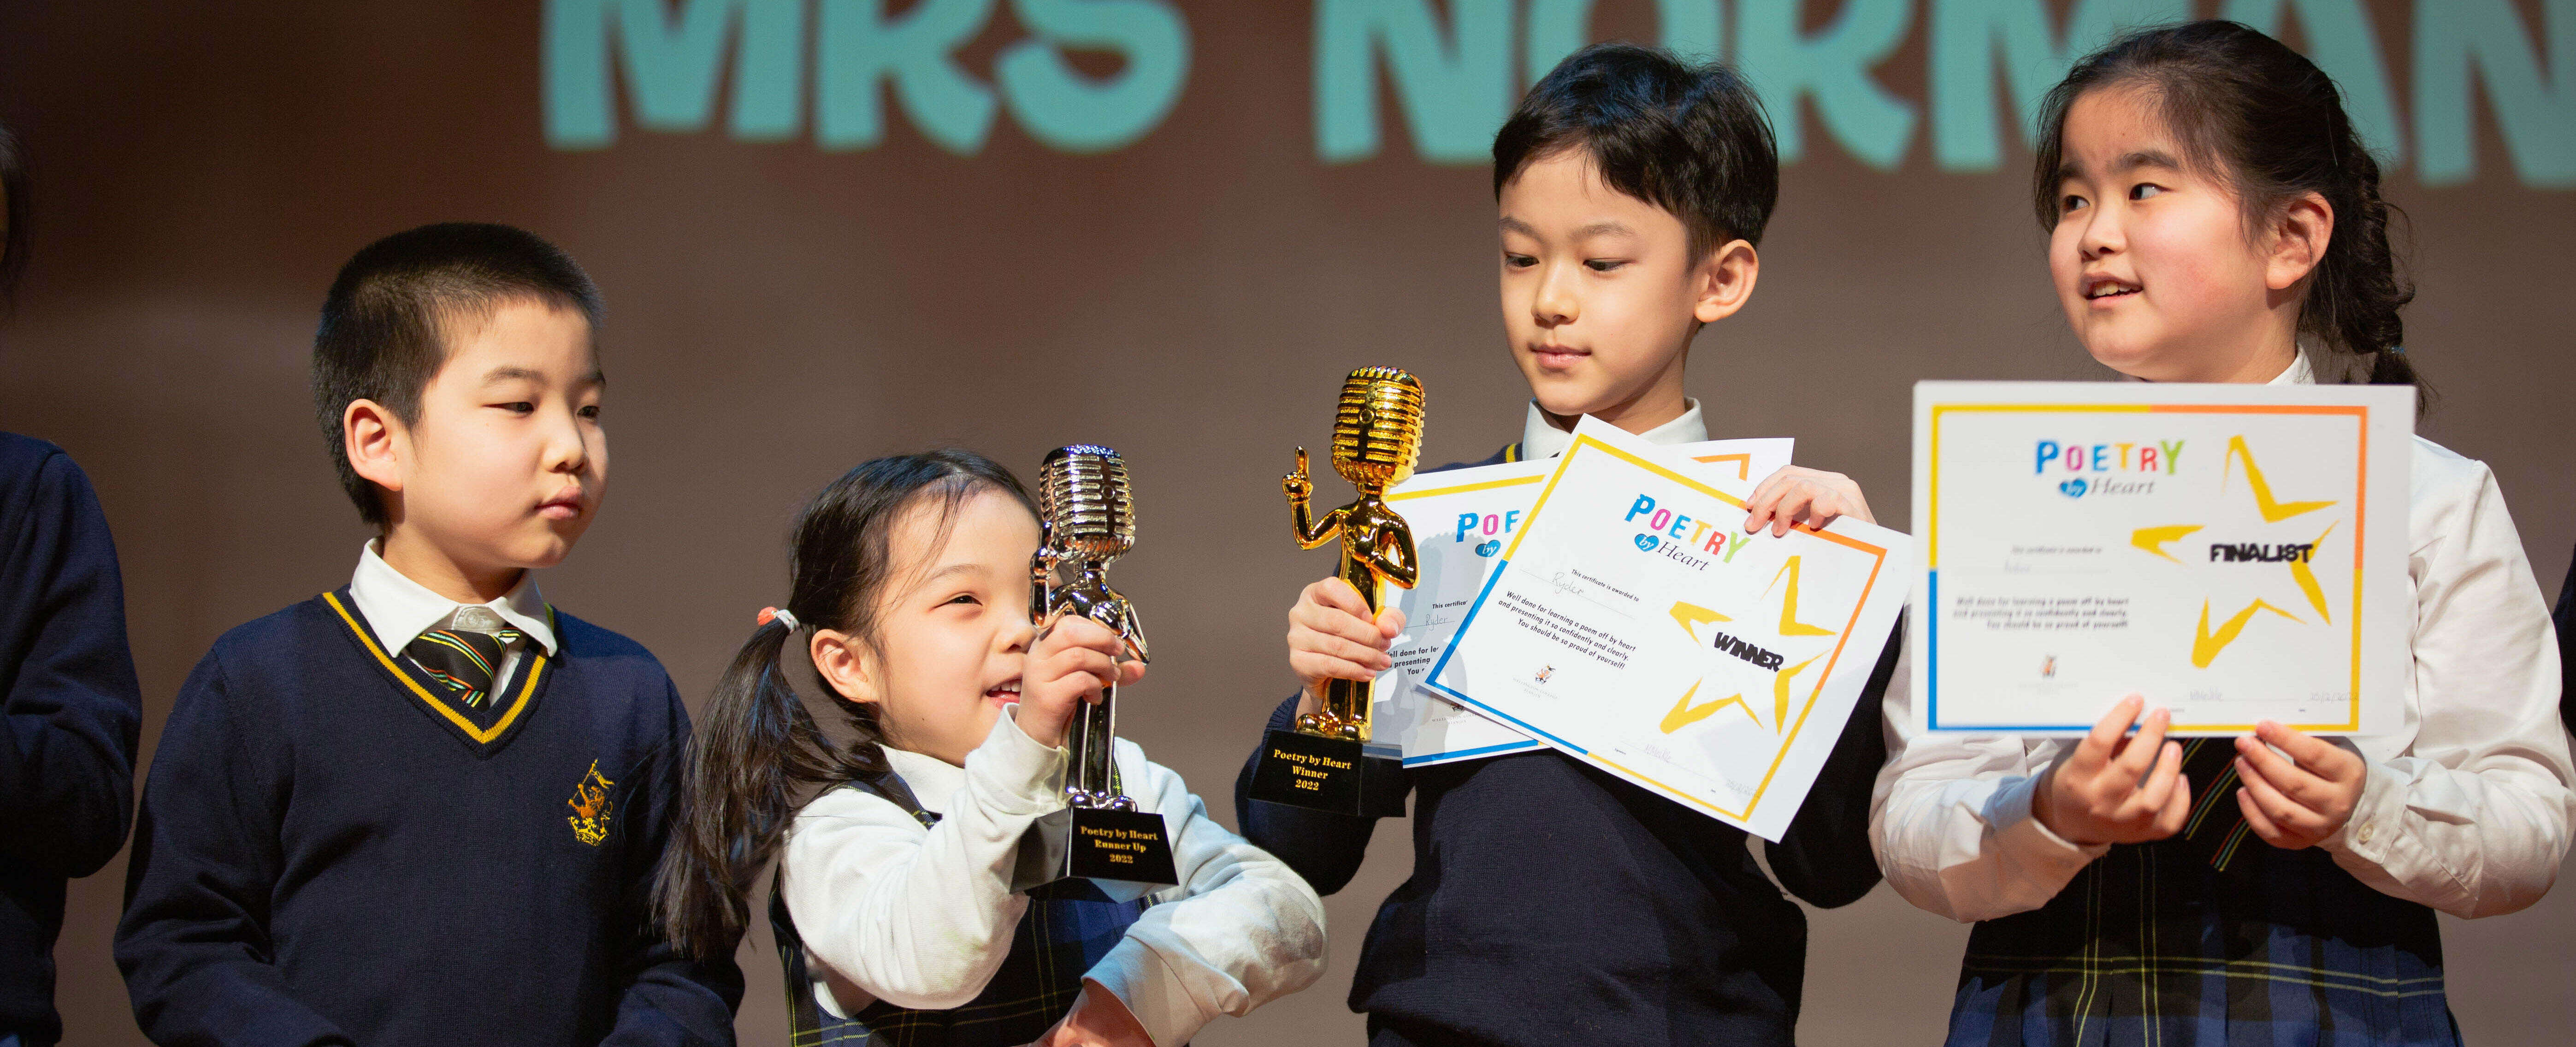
1460, 520
1635, 626
2234, 553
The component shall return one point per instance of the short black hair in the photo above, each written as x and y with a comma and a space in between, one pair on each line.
1689, 138
385, 325
13, 244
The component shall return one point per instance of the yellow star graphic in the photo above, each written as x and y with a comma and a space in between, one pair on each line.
2154, 539
2273, 511
1690, 616
2206, 645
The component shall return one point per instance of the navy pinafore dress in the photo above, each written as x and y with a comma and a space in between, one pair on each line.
1069, 926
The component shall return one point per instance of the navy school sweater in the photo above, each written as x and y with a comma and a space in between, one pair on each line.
1552, 903
69, 713
327, 856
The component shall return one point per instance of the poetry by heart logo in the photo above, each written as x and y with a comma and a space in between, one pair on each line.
1647, 542
2073, 488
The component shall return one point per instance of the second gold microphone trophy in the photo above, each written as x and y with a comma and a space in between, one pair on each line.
1377, 440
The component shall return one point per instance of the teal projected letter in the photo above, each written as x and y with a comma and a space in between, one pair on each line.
1970, 36
2536, 110
1557, 28
2341, 42
1060, 106
861, 48
671, 66
1455, 92
1831, 67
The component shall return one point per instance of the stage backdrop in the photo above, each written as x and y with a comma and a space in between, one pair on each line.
834, 229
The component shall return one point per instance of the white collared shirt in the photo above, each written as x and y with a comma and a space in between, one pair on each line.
922, 918
399, 610
1541, 438
2466, 809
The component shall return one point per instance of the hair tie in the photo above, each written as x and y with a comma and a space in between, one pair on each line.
782, 616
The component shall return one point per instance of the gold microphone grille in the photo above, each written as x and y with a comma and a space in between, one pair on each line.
1377, 432
1083, 492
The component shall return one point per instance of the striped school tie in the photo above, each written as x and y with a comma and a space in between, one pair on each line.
465, 658
2217, 829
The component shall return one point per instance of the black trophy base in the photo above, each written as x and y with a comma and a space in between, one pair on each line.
1082, 843
1120, 845
1319, 774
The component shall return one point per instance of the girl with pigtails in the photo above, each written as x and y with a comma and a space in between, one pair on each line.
909, 593
2214, 218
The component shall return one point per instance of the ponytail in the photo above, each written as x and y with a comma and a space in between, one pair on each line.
757, 750
2273, 125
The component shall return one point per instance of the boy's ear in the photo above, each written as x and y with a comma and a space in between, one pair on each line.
376, 442
2299, 238
845, 664
1724, 282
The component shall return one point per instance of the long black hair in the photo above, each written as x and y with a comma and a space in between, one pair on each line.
756, 747
2273, 125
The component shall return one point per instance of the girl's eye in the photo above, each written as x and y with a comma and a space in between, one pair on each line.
2144, 190
1518, 261
1603, 265
967, 599
591, 412
2069, 202
518, 407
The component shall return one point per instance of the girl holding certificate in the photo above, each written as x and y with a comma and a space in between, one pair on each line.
2214, 218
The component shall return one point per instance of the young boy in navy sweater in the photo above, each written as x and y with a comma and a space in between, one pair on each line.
1552, 903
425, 807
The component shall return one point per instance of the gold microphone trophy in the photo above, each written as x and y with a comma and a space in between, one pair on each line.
1377, 439
1087, 518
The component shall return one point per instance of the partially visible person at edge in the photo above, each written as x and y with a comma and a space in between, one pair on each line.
70, 709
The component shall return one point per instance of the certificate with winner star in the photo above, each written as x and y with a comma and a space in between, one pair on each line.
2233, 553
1461, 518
1635, 625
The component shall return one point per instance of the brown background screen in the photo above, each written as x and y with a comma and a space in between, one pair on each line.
782, 308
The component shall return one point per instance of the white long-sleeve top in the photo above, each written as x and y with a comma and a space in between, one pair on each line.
923, 918
2466, 809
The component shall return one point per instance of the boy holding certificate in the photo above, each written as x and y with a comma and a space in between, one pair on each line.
1550, 902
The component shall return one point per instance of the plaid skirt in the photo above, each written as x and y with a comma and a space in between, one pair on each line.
2156, 945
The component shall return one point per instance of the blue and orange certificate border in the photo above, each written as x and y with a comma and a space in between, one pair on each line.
2359, 413
1788, 741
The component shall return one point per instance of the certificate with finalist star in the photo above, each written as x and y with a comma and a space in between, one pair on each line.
2234, 553
1633, 624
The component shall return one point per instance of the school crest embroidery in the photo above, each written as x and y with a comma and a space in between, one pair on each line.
591, 807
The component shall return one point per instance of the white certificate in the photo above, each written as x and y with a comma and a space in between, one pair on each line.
1460, 520
2234, 553
1634, 625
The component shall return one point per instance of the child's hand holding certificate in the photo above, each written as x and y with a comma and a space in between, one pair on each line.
1635, 625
